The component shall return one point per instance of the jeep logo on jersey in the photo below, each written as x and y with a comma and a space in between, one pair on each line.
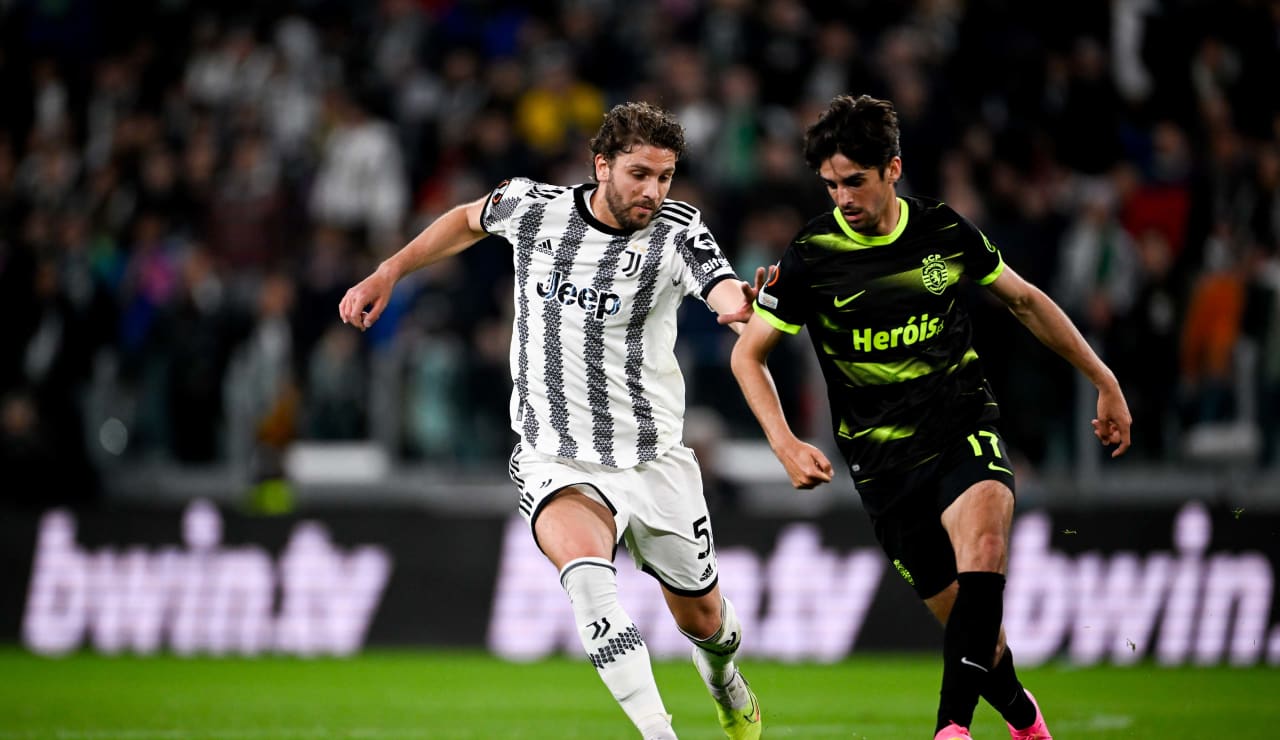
598, 303
934, 274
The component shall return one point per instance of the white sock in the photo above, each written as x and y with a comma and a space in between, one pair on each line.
657, 727
713, 657
613, 643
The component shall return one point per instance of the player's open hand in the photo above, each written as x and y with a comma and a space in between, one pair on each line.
806, 465
373, 292
749, 293
1113, 422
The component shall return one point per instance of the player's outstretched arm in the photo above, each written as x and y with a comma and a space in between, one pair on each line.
732, 301
1051, 325
446, 236
806, 466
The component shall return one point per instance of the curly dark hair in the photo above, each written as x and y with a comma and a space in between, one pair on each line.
864, 129
634, 124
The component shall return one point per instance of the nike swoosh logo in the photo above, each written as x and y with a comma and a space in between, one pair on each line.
754, 715
841, 304
971, 664
993, 466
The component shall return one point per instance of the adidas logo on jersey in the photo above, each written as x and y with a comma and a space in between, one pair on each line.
707, 573
597, 303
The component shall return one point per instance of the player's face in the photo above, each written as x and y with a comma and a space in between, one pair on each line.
862, 194
634, 185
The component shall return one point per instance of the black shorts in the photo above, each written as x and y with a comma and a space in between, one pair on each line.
910, 527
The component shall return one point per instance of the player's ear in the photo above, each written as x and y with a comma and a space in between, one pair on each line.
602, 168
893, 173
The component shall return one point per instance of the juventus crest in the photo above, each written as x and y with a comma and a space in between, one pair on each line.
633, 258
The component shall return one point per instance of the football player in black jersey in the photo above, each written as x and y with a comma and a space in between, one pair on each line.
875, 280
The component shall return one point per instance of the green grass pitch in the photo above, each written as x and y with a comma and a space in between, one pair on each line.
456, 696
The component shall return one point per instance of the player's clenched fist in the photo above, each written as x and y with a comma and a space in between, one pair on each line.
373, 292
806, 465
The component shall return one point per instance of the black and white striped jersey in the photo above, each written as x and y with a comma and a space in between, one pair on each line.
593, 346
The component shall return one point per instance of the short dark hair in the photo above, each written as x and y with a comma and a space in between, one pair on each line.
864, 129
629, 125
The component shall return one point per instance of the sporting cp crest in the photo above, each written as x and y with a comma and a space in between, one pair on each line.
934, 274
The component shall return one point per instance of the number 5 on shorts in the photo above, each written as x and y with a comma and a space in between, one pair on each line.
700, 530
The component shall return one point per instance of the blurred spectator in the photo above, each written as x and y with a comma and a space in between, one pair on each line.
38, 471
198, 331
336, 394
1212, 331
732, 162
785, 52
1098, 274
839, 66
1158, 196
1264, 324
436, 390
291, 100
493, 151
260, 384
227, 67
686, 79
47, 175
1258, 201
361, 179
559, 109
1085, 109
1145, 348
10, 198
246, 213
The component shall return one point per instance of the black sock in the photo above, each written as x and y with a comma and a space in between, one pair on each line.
1004, 692
969, 645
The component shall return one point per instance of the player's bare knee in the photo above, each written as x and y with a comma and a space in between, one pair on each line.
988, 553
699, 618
994, 548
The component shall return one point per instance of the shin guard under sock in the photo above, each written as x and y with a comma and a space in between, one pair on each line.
612, 641
969, 644
715, 653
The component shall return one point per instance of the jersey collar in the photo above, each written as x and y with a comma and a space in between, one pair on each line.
580, 195
875, 241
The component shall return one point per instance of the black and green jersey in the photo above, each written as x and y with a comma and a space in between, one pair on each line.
892, 334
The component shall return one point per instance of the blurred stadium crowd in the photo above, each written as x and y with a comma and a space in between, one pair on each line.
187, 188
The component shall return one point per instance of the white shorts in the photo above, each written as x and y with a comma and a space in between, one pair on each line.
658, 510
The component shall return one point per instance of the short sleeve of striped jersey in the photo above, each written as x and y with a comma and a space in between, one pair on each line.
704, 264
502, 203
782, 300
